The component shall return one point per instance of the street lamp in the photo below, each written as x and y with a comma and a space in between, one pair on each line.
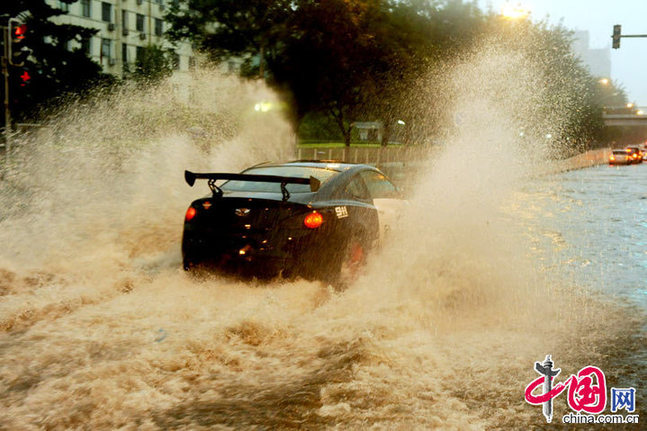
263, 107
604, 81
514, 11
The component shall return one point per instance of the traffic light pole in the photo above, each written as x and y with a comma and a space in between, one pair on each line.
5, 73
617, 35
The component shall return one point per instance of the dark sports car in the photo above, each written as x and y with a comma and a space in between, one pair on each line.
315, 219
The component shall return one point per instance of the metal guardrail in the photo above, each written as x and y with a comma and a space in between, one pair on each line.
368, 155
624, 120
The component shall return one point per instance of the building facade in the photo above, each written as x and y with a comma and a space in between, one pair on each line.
124, 27
598, 60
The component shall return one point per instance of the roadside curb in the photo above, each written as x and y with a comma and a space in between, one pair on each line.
581, 161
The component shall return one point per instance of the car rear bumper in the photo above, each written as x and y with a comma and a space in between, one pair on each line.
290, 252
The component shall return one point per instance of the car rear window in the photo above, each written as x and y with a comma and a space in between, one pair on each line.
619, 152
321, 174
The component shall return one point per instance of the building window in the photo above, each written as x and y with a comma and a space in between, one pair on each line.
86, 46
65, 7
86, 8
158, 27
140, 22
191, 63
106, 12
105, 48
140, 53
124, 53
124, 19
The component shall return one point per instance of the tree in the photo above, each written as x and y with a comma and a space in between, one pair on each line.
250, 30
57, 64
153, 63
567, 105
333, 59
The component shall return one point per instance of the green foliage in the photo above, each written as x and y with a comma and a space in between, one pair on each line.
153, 64
318, 127
571, 99
55, 70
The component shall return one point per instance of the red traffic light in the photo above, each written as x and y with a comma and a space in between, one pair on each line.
18, 53
19, 31
25, 77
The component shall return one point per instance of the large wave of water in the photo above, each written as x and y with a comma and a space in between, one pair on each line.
100, 327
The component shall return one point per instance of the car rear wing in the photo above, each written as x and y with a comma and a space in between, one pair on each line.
190, 178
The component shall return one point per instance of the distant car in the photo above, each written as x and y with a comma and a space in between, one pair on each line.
635, 154
315, 219
620, 157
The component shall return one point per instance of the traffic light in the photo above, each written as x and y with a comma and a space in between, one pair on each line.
24, 78
18, 52
617, 31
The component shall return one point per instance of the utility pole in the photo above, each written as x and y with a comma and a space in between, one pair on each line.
5, 73
13, 33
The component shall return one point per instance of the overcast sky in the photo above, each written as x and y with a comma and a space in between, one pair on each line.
629, 63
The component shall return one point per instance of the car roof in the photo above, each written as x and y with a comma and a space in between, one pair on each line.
344, 171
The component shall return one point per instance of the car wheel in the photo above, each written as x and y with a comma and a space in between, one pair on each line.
351, 263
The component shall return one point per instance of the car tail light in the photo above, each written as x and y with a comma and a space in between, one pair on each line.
190, 213
611, 158
313, 220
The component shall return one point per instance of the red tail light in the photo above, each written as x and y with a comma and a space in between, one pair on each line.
313, 220
190, 213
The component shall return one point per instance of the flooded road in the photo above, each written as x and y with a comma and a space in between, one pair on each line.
596, 220
101, 329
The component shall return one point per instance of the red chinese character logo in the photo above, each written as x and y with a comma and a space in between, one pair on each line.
587, 391
583, 394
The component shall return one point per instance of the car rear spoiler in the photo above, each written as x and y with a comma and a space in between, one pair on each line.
190, 178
